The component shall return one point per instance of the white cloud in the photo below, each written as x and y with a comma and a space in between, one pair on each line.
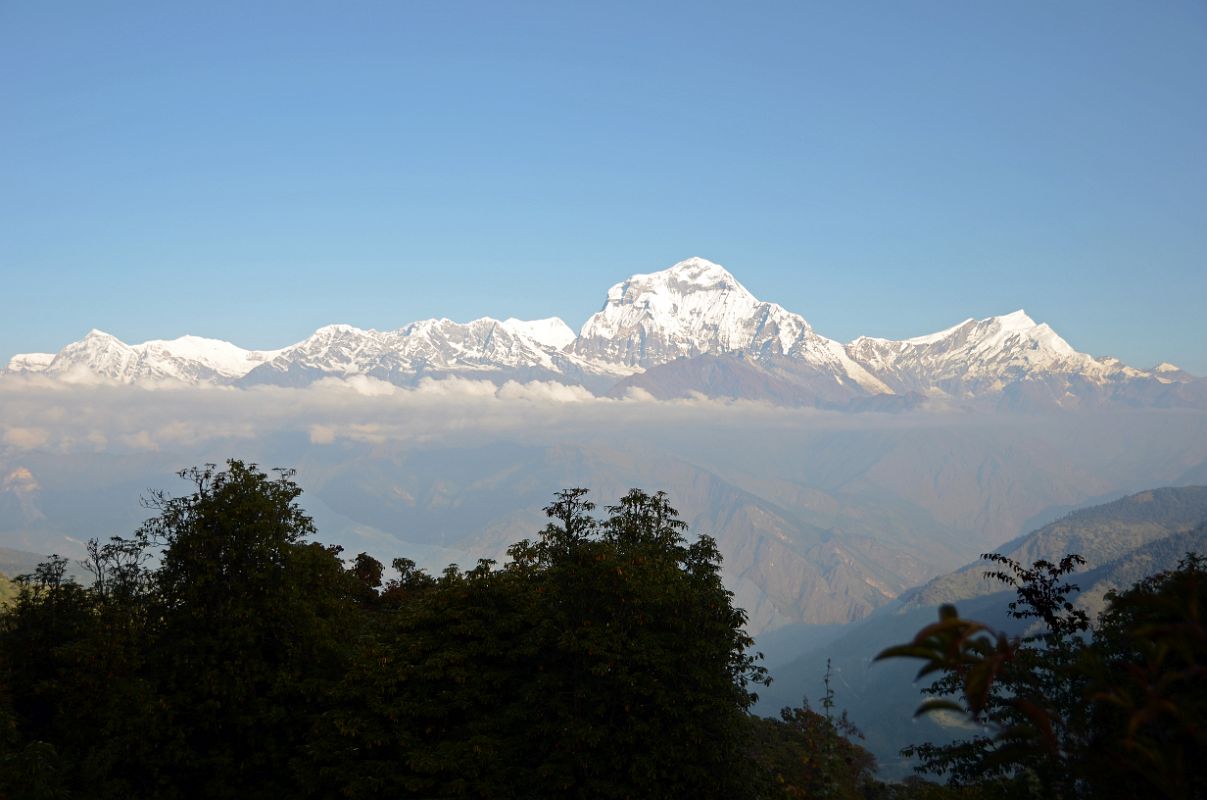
26, 438
363, 385
544, 391
321, 434
638, 395
49, 414
455, 387
139, 440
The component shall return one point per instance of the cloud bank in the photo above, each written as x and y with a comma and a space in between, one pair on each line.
37, 413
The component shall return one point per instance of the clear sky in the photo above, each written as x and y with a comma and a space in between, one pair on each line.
253, 170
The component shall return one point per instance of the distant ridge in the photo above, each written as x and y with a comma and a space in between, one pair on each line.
1102, 535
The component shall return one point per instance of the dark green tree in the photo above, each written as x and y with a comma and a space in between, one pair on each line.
41, 639
648, 677
251, 620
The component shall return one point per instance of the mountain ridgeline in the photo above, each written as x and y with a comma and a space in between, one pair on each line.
688, 330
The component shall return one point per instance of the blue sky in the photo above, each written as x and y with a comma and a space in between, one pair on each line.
254, 170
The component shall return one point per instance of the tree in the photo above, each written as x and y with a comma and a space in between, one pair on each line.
42, 638
250, 624
72, 658
805, 754
650, 675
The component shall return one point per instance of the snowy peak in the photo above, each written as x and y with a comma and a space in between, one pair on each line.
483, 346
977, 356
551, 332
994, 335
988, 335
1171, 373
337, 330
224, 358
686, 277
662, 291
692, 308
1015, 321
100, 354
191, 359
535, 346
1018, 328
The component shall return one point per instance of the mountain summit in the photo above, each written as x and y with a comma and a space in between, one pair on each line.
980, 355
692, 308
686, 330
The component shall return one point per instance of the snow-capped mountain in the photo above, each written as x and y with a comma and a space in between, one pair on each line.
697, 308
551, 332
1171, 373
191, 359
689, 329
979, 356
486, 347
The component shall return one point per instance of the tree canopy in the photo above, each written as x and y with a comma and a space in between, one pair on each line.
219, 651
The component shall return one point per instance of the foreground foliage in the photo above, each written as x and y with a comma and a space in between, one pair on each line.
1070, 712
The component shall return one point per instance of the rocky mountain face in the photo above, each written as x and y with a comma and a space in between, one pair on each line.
686, 330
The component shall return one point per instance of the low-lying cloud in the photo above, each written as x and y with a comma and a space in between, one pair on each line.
46, 414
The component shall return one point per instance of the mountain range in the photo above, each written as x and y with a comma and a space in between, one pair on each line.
688, 330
